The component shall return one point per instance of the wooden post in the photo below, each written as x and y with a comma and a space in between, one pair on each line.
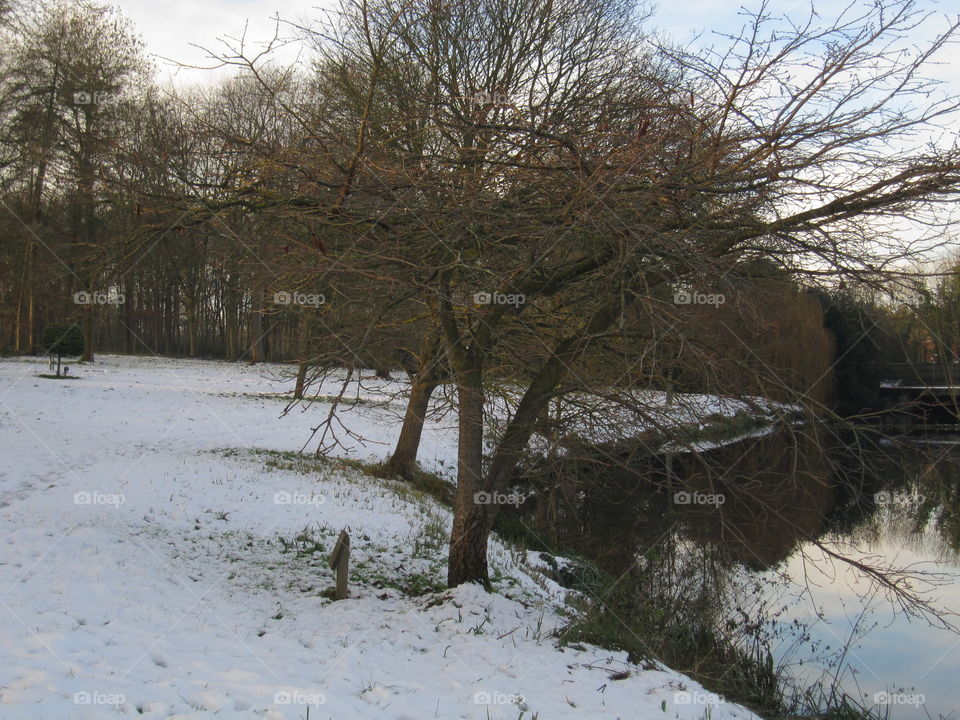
340, 559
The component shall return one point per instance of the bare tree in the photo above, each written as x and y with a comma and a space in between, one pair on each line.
568, 184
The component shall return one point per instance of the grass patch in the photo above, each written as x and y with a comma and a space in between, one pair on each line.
307, 543
413, 584
415, 567
432, 484
431, 539
717, 428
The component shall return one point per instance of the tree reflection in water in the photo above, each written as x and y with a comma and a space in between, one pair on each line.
717, 562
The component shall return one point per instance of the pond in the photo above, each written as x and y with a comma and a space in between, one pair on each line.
833, 557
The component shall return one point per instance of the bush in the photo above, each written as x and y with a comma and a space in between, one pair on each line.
61, 339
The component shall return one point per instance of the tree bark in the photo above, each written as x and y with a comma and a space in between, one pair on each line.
231, 316
21, 292
255, 346
403, 462
541, 389
472, 517
303, 354
428, 374
88, 327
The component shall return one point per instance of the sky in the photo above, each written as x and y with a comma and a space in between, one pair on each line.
173, 28
183, 32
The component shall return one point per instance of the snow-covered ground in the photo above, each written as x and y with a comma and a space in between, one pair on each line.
606, 419
154, 565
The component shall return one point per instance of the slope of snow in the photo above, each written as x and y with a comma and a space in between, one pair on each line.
599, 420
154, 566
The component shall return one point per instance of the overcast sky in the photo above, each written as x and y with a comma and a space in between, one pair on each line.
169, 27
172, 29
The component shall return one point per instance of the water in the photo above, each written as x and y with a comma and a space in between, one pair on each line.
898, 657
767, 527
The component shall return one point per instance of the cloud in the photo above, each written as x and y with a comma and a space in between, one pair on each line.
173, 29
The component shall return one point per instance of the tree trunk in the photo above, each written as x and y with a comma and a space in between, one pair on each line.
403, 462
255, 345
471, 519
88, 327
424, 378
18, 328
231, 317
536, 400
303, 354
192, 329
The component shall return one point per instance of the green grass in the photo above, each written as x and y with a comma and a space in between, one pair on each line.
426, 552
413, 584
308, 542
431, 484
432, 539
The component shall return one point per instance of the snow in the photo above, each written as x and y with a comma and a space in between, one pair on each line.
609, 419
161, 559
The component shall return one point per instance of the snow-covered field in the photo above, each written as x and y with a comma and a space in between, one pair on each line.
154, 566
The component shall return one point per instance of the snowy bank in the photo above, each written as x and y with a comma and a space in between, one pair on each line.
155, 566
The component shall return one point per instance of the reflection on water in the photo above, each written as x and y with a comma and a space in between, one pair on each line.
797, 537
